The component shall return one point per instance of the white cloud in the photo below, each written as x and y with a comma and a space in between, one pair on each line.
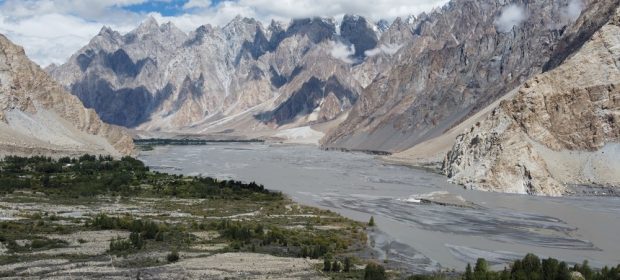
52, 38
573, 10
342, 52
197, 4
510, 17
52, 30
389, 49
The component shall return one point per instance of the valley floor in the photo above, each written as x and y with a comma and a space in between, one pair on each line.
158, 226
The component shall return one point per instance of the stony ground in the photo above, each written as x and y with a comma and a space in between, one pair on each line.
84, 252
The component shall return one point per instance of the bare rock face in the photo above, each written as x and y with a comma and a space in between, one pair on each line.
242, 77
37, 116
458, 60
561, 128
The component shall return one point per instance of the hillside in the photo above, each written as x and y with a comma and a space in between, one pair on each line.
38, 117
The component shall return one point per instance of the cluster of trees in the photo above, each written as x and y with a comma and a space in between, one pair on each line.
532, 268
141, 231
374, 271
146, 228
337, 265
299, 242
241, 231
121, 246
90, 175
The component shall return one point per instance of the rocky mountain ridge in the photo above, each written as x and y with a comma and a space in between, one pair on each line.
459, 60
37, 116
560, 129
239, 79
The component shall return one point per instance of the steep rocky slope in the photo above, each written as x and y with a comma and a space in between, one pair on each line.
241, 79
37, 116
561, 128
461, 59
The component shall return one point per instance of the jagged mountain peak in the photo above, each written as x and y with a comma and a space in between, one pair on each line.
242, 26
105, 30
360, 33
383, 25
317, 29
149, 24
170, 27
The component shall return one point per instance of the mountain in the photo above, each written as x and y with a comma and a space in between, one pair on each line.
411, 87
561, 128
37, 116
239, 80
461, 58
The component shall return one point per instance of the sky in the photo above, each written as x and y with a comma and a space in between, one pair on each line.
52, 30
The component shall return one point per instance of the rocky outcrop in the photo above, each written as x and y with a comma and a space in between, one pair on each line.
359, 33
37, 116
561, 128
460, 59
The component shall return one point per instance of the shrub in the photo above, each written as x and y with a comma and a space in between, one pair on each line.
120, 246
371, 222
336, 266
173, 256
374, 271
347, 264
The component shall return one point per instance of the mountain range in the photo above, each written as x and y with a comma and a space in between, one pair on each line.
523, 103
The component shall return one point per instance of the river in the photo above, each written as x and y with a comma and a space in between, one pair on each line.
421, 236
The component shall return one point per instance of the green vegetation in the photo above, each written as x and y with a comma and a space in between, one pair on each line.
148, 217
374, 271
529, 268
89, 176
371, 222
173, 256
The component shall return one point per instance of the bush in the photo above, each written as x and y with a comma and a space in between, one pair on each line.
120, 246
374, 271
327, 265
136, 240
347, 264
336, 266
371, 222
173, 256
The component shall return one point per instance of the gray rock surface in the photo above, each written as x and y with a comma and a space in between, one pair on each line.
560, 129
241, 78
458, 61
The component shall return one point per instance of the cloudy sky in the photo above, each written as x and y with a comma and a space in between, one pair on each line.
51, 30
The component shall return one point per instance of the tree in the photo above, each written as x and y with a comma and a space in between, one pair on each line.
327, 265
173, 256
468, 274
563, 272
481, 269
374, 271
347, 264
550, 269
532, 267
505, 275
371, 223
336, 266
585, 270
